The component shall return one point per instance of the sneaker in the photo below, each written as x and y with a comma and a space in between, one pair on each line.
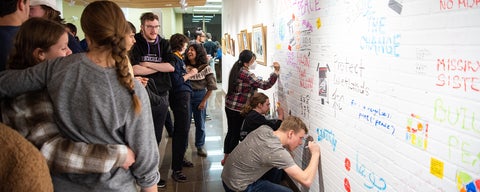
178, 176
187, 163
161, 183
201, 151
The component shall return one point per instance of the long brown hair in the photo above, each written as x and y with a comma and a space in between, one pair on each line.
201, 58
257, 98
103, 22
34, 33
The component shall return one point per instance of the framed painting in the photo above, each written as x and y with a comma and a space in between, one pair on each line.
224, 47
245, 39
258, 43
232, 47
227, 43
240, 42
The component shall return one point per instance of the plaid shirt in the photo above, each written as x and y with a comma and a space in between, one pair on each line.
31, 114
248, 84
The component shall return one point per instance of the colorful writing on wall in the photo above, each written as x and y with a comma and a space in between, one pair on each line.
375, 116
327, 135
417, 132
458, 74
467, 183
459, 4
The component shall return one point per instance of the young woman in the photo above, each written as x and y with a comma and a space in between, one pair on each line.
203, 83
31, 113
241, 85
96, 100
255, 111
180, 95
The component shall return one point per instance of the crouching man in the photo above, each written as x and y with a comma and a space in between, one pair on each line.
259, 162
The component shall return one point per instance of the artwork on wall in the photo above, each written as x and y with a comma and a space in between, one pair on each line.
232, 47
259, 42
245, 39
240, 42
227, 43
224, 47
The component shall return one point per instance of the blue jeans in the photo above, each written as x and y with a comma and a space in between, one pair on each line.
268, 182
199, 116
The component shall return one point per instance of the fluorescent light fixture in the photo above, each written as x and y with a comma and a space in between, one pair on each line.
214, 1
210, 6
203, 16
205, 10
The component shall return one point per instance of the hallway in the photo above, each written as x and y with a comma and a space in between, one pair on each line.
205, 175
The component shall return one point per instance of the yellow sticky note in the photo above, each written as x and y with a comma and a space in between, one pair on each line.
436, 167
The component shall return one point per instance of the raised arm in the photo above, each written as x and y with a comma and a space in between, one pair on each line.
305, 177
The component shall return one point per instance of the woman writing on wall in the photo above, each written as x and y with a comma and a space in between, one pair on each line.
96, 100
203, 83
257, 107
241, 85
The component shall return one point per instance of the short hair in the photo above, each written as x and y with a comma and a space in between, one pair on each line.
198, 33
148, 16
132, 27
72, 27
293, 123
177, 41
209, 35
8, 7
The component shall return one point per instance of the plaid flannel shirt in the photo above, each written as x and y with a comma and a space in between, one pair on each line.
32, 115
248, 84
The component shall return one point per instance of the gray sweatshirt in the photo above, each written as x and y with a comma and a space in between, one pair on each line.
93, 107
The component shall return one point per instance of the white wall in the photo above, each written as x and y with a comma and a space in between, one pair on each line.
393, 114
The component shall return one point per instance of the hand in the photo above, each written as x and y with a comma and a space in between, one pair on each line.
129, 160
142, 80
276, 66
193, 72
280, 112
314, 147
201, 106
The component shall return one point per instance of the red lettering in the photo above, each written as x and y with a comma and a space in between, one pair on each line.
446, 4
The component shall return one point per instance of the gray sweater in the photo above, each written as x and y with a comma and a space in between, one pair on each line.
93, 107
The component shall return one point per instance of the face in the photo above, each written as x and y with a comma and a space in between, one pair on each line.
150, 30
130, 40
251, 62
203, 37
191, 54
60, 49
36, 11
295, 140
264, 107
184, 48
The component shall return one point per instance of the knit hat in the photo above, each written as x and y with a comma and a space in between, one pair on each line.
50, 3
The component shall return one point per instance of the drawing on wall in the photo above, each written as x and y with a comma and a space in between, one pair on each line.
245, 42
258, 43
322, 81
227, 43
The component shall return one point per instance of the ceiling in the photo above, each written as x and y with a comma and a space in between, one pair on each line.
192, 6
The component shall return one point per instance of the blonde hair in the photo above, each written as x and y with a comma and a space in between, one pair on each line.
105, 24
293, 123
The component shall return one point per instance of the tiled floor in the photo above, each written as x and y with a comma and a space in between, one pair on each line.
205, 175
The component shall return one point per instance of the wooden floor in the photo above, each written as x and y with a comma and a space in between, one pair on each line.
205, 175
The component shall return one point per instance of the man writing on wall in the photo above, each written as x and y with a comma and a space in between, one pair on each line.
257, 163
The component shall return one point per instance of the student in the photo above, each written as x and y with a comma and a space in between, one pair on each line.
96, 100
12, 14
203, 83
180, 103
269, 156
48, 9
257, 107
32, 113
241, 85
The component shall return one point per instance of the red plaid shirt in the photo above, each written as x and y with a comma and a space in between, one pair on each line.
248, 84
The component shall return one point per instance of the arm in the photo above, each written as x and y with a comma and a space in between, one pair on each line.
305, 177
161, 67
141, 70
203, 104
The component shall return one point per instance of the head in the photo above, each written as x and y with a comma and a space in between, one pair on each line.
150, 26
19, 8
245, 59
130, 36
105, 28
46, 9
209, 35
200, 36
37, 40
71, 28
259, 102
178, 43
295, 132
196, 55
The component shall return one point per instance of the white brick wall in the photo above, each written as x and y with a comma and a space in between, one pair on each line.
376, 89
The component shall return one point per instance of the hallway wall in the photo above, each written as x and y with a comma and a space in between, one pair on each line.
389, 89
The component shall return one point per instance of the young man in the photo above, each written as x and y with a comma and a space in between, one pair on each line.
269, 151
12, 14
151, 56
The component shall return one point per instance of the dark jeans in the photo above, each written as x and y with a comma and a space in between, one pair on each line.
159, 113
169, 124
199, 117
180, 105
268, 182
234, 123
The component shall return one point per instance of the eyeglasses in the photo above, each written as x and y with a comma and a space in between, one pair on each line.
153, 27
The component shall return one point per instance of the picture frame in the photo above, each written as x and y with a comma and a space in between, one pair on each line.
259, 42
245, 39
240, 42
232, 47
224, 46
227, 43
